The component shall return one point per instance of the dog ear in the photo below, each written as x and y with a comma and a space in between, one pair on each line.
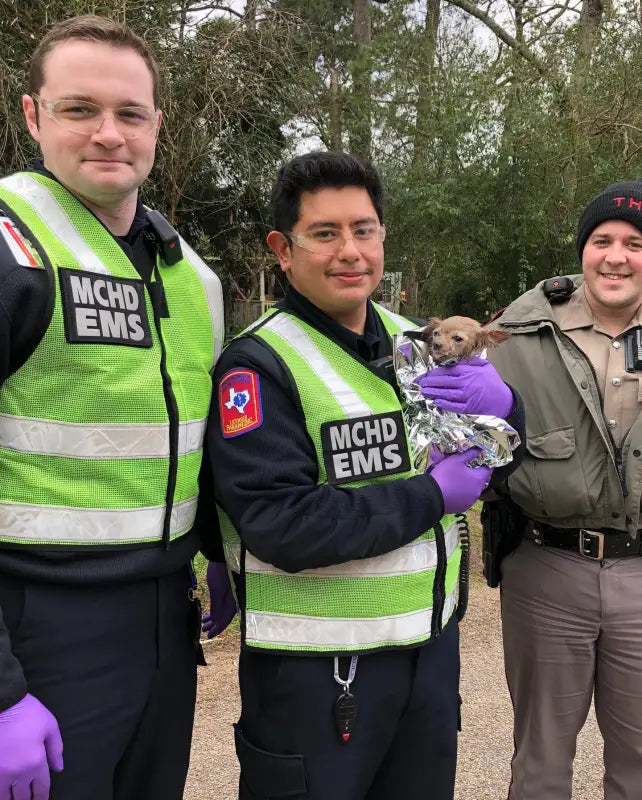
495, 337
428, 330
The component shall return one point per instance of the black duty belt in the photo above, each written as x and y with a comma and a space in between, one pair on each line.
593, 544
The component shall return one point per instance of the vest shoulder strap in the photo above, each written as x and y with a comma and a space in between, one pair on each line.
18, 243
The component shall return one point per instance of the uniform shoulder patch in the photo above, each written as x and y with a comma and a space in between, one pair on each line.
239, 399
21, 248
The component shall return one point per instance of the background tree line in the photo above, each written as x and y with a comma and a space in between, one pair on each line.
492, 124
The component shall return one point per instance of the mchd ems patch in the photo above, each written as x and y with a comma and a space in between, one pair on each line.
364, 447
99, 309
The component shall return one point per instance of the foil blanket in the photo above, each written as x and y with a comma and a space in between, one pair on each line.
428, 426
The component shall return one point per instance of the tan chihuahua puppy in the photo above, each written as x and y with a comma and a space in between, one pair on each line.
458, 337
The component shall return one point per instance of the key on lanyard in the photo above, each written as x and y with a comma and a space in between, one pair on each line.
345, 708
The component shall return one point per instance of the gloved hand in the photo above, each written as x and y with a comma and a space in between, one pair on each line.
222, 601
30, 745
460, 485
470, 387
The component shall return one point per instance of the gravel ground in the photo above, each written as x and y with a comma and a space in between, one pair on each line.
485, 744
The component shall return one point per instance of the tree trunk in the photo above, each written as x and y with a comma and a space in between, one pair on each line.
579, 165
426, 85
361, 131
250, 12
336, 111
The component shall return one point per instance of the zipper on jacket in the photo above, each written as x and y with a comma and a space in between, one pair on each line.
172, 412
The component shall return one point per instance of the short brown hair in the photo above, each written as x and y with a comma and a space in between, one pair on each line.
90, 27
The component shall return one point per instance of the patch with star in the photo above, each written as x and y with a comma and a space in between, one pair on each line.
239, 400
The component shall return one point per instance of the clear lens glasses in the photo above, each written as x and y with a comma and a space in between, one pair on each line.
329, 241
81, 116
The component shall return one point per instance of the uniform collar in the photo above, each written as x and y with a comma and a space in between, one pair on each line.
140, 218
139, 249
577, 314
373, 343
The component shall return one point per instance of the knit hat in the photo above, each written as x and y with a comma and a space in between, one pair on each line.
618, 201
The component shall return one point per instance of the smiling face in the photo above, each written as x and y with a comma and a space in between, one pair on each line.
612, 266
104, 167
338, 284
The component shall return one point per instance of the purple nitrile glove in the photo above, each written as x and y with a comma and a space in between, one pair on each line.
30, 745
460, 484
222, 601
470, 387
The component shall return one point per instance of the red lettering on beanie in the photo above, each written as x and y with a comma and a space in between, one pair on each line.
636, 203
618, 201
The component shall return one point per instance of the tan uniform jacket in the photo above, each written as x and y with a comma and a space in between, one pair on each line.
573, 475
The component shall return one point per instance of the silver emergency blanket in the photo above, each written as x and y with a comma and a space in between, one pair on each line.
447, 431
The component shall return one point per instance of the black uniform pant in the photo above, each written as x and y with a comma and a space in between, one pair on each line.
116, 666
404, 743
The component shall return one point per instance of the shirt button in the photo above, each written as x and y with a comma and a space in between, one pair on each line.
616, 381
617, 345
612, 423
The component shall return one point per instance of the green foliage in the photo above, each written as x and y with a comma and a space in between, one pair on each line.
489, 147
229, 87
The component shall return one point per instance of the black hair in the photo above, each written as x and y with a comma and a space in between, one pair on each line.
318, 170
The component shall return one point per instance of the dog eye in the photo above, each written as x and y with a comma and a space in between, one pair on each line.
458, 338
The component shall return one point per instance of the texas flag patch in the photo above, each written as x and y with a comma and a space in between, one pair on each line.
239, 400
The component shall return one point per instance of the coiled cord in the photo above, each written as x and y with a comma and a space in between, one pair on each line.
464, 569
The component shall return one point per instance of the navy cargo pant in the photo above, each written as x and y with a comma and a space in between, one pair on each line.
404, 743
116, 666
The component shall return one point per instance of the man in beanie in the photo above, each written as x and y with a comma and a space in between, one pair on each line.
571, 592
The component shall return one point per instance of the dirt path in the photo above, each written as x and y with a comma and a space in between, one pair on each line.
485, 743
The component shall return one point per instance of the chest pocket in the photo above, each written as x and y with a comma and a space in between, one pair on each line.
551, 481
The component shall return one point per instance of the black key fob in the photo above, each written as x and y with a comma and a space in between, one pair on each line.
345, 715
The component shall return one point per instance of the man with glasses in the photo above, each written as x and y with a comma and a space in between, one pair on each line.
347, 561
109, 329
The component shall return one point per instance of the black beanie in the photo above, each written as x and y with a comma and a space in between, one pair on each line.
618, 201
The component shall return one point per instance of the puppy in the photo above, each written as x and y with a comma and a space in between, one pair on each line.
457, 337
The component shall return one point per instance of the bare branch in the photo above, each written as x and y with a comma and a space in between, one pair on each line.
556, 7
215, 7
502, 34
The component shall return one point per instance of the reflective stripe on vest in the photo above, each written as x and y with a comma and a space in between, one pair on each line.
360, 605
399, 322
417, 556
55, 218
67, 481
285, 631
108, 441
297, 338
41, 524
212, 289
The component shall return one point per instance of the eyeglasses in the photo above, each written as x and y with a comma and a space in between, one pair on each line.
81, 116
330, 241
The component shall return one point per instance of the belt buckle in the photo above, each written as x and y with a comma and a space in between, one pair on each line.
586, 541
